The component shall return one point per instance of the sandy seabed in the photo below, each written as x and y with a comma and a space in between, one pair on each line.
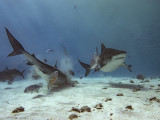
120, 98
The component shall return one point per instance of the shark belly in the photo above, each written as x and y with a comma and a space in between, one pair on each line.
114, 63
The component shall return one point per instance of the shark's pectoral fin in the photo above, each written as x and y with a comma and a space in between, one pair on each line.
127, 66
52, 79
43, 70
34, 55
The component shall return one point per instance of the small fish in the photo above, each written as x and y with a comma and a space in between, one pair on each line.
53, 79
33, 88
49, 50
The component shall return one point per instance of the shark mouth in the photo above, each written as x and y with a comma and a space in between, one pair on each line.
119, 58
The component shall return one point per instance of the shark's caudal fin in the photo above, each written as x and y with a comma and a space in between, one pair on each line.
86, 67
18, 48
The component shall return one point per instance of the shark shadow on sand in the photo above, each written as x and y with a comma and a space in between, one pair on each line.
127, 86
53, 90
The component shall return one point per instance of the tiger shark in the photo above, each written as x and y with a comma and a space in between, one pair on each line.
44, 70
10, 75
109, 60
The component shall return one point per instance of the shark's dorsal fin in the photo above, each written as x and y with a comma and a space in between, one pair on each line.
34, 55
97, 50
55, 64
29, 63
6, 68
102, 47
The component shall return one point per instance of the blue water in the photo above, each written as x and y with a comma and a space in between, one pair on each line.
81, 26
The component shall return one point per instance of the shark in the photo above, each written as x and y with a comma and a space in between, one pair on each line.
10, 75
44, 70
109, 60
94, 60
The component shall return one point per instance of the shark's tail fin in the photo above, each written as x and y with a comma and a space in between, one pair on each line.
18, 48
86, 67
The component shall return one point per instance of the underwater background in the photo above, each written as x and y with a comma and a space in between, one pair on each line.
81, 26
